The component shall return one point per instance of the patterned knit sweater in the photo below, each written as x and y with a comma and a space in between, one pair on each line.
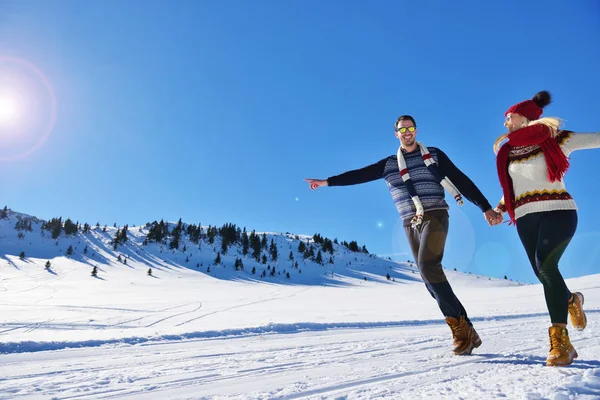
527, 168
430, 191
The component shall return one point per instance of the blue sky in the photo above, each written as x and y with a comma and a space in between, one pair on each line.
215, 111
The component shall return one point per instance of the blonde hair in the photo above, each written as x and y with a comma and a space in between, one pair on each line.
553, 123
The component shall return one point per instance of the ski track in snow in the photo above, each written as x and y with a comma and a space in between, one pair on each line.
402, 362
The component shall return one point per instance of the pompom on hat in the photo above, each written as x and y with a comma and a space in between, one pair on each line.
531, 109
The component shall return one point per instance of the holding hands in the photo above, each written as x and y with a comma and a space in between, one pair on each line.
492, 217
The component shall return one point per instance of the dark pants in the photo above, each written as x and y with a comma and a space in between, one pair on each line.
427, 242
545, 236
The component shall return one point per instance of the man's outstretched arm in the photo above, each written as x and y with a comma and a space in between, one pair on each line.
366, 174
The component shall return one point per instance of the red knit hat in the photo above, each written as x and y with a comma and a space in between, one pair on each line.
531, 109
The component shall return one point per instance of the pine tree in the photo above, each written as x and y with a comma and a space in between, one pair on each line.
149, 271
54, 226
70, 251
85, 250
301, 247
253, 270
352, 246
387, 276
120, 258
4, 213
291, 256
245, 242
317, 238
264, 259
211, 235
273, 250
23, 224
256, 249
287, 275
48, 264
123, 237
95, 271
224, 245
319, 259
22, 255
239, 264
263, 243
309, 253
157, 232
218, 259
176, 234
327, 246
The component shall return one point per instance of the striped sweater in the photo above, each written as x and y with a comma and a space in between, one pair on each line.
527, 168
430, 191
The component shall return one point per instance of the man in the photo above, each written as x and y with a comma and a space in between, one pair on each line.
417, 176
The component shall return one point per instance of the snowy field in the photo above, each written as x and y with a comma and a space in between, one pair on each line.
328, 334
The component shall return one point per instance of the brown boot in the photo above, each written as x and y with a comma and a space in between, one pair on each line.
576, 314
561, 349
465, 336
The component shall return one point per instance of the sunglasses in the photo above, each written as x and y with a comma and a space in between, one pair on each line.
403, 129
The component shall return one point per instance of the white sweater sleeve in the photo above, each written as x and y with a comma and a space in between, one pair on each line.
579, 141
501, 207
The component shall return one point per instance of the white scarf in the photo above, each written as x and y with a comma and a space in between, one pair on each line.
431, 165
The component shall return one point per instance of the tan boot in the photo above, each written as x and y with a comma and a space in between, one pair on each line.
465, 336
576, 314
562, 351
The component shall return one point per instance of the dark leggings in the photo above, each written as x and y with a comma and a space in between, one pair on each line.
545, 236
427, 242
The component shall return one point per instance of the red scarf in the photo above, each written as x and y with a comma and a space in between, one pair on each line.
536, 134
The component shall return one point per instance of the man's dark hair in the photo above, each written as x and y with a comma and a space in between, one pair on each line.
405, 118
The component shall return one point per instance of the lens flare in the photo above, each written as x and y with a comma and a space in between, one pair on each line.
27, 108
9, 109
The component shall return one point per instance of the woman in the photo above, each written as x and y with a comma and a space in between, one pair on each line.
531, 165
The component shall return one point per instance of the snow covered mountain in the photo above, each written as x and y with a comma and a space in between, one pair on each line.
296, 259
325, 332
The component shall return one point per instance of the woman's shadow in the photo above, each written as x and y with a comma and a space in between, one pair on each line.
519, 359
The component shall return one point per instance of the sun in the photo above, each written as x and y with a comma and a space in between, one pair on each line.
9, 109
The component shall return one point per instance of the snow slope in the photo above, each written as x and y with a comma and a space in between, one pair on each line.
324, 333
